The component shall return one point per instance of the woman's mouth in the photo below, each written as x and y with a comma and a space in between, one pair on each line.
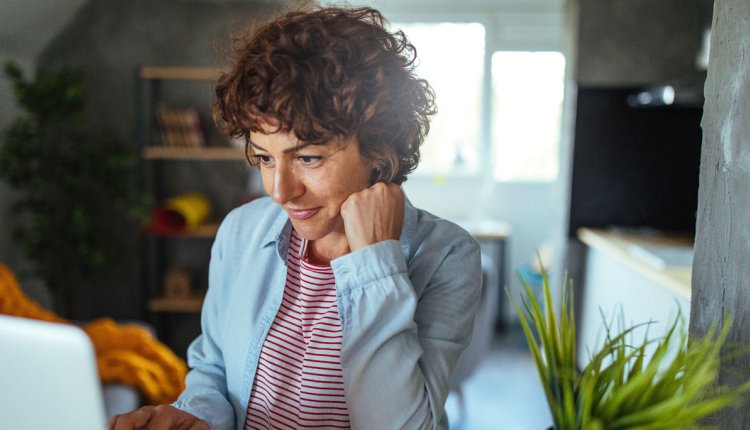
302, 214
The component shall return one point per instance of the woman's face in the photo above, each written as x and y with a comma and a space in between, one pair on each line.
311, 182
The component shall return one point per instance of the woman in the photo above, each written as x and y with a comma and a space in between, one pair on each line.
334, 303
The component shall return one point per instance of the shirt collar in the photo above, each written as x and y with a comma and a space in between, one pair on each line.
280, 232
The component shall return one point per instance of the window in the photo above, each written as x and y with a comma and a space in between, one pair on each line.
513, 134
451, 57
527, 99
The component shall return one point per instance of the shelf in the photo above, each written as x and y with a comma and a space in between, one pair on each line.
180, 73
167, 304
207, 231
219, 153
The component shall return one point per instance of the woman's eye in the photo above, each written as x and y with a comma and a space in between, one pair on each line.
262, 158
308, 159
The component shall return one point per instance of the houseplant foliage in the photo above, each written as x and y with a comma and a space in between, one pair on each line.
665, 383
74, 182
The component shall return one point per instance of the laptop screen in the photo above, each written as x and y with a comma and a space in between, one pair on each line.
48, 377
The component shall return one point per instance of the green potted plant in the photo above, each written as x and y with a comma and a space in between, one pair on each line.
74, 182
664, 383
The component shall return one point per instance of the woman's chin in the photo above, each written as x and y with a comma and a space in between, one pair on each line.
311, 231
307, 231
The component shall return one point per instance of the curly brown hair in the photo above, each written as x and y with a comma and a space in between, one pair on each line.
330, 73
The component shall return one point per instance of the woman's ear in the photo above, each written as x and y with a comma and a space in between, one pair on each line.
382, 167
376, 174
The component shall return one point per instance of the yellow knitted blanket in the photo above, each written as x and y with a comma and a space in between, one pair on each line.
125, 353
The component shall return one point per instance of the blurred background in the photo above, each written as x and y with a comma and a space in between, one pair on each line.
570, 128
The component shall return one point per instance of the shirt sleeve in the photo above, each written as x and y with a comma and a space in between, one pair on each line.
205, 394
399, 349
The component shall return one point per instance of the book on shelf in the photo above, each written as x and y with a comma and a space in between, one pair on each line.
181, 127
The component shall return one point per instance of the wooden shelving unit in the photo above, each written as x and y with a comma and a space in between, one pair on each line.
157, 89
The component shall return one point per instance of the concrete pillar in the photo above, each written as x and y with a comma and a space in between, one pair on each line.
721, 269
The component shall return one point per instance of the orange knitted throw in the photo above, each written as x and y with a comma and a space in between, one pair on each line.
125, 353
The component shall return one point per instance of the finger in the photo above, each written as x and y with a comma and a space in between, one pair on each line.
121, 422
167, 417
164, 417
133, 420
396, 190
112, 423
201, 425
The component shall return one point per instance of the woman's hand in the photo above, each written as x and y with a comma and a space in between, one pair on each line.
162, 417
373, 215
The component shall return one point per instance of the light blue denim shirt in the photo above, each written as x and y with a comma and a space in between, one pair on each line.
406, 307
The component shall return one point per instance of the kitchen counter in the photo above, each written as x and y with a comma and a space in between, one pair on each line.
666, 259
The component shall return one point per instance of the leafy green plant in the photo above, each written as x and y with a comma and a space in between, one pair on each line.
666, 383
74, 183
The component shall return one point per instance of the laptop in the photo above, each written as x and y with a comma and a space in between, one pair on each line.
48, 377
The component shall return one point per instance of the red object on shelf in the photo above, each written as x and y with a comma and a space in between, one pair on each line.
179, 214
166, 221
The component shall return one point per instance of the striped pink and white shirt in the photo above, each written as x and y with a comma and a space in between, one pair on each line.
299, 383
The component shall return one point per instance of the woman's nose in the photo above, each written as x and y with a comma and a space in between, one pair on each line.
286, 186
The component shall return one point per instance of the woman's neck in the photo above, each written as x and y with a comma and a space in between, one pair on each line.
325, 249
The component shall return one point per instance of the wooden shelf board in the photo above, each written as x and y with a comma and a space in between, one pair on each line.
219, 153
180, 73
207, 230
168, 304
